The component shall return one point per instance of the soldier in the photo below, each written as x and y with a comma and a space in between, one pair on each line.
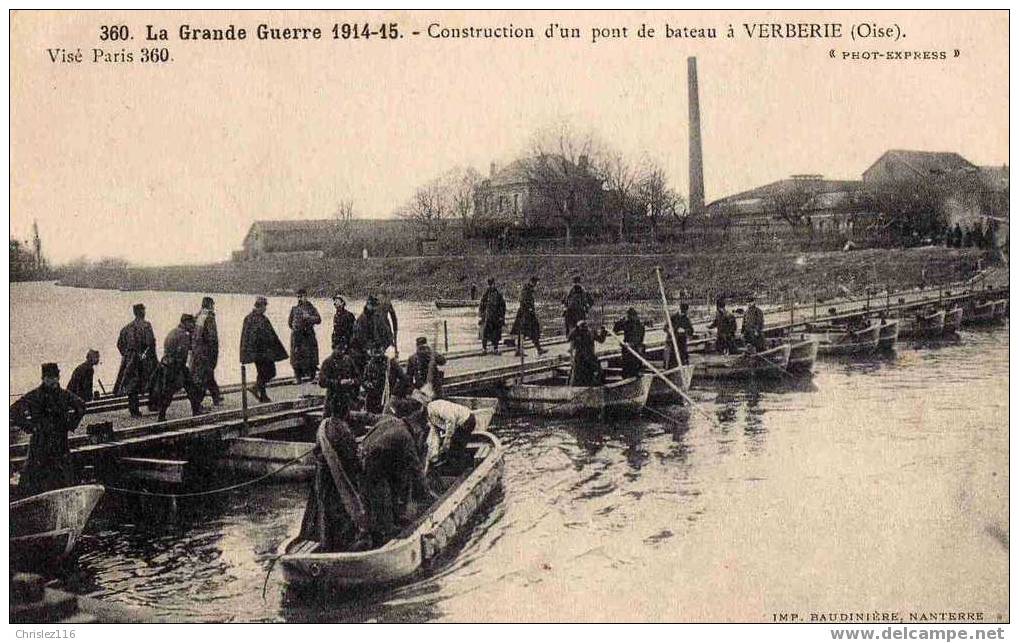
725, 325
343, 323
205, 352
632, 329
372, 333
48, 413
491, 317
261, 346
587, 369
576, 304
341, 380
753, 326
173, 373
303, 343
422, 368
81, 379
137, 346
683, 329
526, 323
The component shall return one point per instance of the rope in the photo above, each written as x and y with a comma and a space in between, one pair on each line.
197, 494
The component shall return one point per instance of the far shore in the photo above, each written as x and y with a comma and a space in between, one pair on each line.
775, 277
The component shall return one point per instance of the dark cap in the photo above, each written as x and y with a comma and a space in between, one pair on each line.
138, 308
491, 281
421, 341
187, 318
684, 307
751, 299
92, 353
340, 297
720, 302
534, 278
631, 312
207, 301
50, 369
372, 301
261, 301
576, 279
302, 291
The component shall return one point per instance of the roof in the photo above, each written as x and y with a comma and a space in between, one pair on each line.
519, 170
810, 184
926, 163
296, 224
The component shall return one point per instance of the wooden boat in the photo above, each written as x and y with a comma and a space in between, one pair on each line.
662, 393
802, 355
889, 335
953, 320
742, 366
554, 396
922, 325
980, 313
841, 340
1000, 307
45, 528
457, 303
431, 534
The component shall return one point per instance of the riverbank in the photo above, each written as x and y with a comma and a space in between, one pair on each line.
774, 276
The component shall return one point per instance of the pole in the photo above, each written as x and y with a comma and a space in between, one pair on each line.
244, 396
648, 365
815, 304
445, 332
520, 352
101, 387
668, 318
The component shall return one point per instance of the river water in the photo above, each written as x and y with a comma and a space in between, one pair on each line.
879, 485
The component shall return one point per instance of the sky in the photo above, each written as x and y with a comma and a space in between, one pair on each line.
170, 164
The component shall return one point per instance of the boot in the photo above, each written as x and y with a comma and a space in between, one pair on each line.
132, 406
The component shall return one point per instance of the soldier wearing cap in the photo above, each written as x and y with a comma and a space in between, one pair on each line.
576, 304
81, 379
261, 346
422, 367
173, 373
724, 324
632, 329
526, 323
303, 343
48, 413
491, 317
753, 326
137, 346
343, 322
587, 370
205, 351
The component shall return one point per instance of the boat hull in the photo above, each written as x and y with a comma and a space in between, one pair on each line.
889, 335
767, 364
455, 303
953, 320
662, 393
623, 397
403, 557
802, 355
850, 342
46, 527
925, 327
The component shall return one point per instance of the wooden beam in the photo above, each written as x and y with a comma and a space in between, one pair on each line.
154, 469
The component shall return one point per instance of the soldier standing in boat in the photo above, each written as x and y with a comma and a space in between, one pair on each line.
526, 324
303, 343
724, 324
491, 317
343, 323
81, 379
173, 373
137, 346
341, 380
576, 304
682, 327
753, 326
48, 413
205, 352
262, 347
586, 369
632, 329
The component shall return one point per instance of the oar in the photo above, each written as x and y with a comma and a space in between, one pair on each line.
668, 318
660, 374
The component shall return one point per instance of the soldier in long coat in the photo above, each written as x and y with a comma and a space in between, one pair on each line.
372, 333
341, 379
303, 343
576, 305
632, 329
261, 346
587, 369
343, 323
491, 317
137, 346
173, 373
683, 329
724, 324
526, 323
753, 326
205, 351
49, 413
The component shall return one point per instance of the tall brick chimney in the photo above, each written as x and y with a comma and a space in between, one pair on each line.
696, 154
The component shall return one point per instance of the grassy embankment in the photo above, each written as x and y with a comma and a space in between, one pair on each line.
619, 278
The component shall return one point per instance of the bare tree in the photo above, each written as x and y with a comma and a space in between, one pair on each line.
461, 184
621, 180
658, 200
559, 169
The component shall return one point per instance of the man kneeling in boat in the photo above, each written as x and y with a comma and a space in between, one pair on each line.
587, 369
394, 469
450, 427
